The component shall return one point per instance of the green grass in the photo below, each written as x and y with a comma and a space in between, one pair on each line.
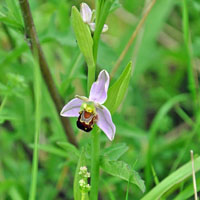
157, 123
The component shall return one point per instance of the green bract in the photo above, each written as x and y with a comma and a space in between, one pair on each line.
118, 90
83, 37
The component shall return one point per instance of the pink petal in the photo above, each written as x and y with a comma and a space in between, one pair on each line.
99, 89
72, 108
105, 122
86, 13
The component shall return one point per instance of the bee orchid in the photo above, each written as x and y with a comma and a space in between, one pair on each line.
90, 111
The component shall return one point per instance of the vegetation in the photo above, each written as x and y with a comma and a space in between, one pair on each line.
151, 52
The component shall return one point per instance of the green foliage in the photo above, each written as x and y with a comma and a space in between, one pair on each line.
10, 15
157, 119
83, 36
52, 150
121, 170
172, 180
118, 90
69, 148
115, 151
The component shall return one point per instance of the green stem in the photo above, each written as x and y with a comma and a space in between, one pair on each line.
95, 164
192, 83
91, 76
103, 8
84, 196
37, 82
3, 103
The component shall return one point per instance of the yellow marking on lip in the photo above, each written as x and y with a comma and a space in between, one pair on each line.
89, 109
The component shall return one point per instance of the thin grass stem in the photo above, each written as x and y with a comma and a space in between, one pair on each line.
193, 176
132, 38
37, 82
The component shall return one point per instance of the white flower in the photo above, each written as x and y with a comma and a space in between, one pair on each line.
87, 175
88, 187
83, 169
82, 183
86, 14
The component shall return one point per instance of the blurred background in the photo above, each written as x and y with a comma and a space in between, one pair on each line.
159, 114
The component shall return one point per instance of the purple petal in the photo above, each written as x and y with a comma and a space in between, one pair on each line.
105, 122
99, 89
72, 108
86, 13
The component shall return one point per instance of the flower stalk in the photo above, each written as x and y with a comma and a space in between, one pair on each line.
102, 12
90, 111
95, 164
91, 77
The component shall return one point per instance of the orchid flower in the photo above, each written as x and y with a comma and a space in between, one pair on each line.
87, 16
90, 110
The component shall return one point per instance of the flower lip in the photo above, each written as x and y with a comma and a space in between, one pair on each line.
86, 121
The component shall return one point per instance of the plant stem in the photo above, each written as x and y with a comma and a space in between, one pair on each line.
193, 83
32, 39
84, 196
193, 176
95, 164
3, 103
102, 12
37, 82
91, 77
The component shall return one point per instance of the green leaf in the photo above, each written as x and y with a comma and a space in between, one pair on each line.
114, 152
81, 162
118, 90
69, 148
14, 11
188, 192
122, 170
115, 5
10, 22
51, 149
177, 177
83, 36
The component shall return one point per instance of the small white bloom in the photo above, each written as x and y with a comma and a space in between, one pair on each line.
87, 175
86, 13
83, 169
87, 16
88, 187
82, 183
